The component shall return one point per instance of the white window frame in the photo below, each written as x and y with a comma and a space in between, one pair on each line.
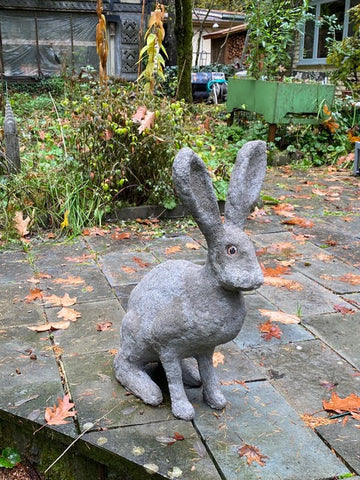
321, 60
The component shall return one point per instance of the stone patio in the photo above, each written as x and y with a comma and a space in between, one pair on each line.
269, 384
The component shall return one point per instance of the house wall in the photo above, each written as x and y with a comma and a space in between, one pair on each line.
49, 37
205, 48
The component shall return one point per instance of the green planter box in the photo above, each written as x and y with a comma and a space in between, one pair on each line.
279, 102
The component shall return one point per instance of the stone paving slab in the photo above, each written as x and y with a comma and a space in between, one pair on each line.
344, 439
178, 248
260, 417
15, 268
56, 254
268, 384
113, 242
147, 446
14, 311
85, 335
124, 268
250, 335
233, 365
85, 282
305, 373
29, 376
340, 332
309, 299
330, 274
97, 393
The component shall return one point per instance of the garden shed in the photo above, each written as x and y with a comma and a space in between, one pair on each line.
41, 38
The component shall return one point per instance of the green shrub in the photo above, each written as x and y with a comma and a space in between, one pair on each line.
130, 167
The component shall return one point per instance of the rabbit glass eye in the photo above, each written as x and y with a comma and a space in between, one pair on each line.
231, 250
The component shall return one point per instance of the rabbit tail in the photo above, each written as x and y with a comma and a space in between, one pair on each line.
136, 380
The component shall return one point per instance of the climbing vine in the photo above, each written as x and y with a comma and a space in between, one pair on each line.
151, 52
102, 47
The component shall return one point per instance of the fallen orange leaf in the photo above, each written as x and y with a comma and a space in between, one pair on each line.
65, 301
274, 272
252, 454
69, 314
283, 282
171, 250
278, 316
218, 358
120, 236
101, 327
128, 269
94, 231
269, 330
192, 246
34, 294
284, 209
314, 422
45, 327
344, 310
69, 280
351, 278
140, 262
347, 404
21, 224
56, 415
299, 221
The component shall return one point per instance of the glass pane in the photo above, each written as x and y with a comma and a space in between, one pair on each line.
54, 42
309, 39
328, 10
351, 24
84, 32
19, 43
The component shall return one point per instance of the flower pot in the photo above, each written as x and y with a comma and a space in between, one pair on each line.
279, 102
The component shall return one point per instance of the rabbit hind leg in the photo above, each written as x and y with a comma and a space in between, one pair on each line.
137, 381
190, 372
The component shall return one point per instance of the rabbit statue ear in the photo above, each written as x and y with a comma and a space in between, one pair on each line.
246, 180
194, 187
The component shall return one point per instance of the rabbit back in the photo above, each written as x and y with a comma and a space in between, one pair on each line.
178, 306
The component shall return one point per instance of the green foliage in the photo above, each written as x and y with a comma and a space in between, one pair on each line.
53, 85
228, 70
345, 56
155, 61
83, 153
130, 167
9, 458
219, 147
272, 31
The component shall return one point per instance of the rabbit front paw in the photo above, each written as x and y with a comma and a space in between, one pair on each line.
183, 410
215, 399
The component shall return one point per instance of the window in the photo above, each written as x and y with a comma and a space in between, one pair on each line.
313, 48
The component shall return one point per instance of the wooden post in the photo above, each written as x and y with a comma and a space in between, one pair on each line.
11, 139
272, 132
2, 70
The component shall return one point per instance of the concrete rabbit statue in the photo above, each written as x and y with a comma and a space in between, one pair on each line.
181, 310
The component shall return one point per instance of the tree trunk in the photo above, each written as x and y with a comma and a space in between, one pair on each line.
184, 34
170, 38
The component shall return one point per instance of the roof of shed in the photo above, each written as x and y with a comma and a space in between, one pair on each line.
227, 31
